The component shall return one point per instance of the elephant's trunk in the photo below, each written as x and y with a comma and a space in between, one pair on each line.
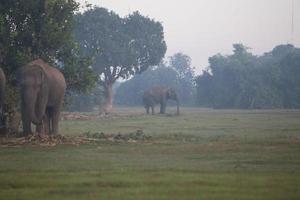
30, 107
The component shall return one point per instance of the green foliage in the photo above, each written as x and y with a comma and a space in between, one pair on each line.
31, 29
186, 74
40, 29
177, 74
121, 46
182, 64
81, 102
242, 80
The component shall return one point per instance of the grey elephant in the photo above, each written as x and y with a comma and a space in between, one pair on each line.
2, 91
159, 95
42, 90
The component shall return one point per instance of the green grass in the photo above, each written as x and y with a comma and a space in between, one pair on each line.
201, 154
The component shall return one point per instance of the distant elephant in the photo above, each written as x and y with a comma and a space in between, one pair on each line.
2, 91
42, 90
159, 95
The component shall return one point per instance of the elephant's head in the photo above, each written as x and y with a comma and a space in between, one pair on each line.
171, 94
33, 88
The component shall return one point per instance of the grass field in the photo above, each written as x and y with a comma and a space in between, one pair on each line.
201, 154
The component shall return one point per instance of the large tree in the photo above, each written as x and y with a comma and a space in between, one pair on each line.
121, 47
41, 29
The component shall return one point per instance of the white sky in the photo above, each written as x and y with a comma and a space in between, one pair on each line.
202, 28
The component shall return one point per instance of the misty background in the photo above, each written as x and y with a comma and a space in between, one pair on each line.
216, 54
220, 54
201, 28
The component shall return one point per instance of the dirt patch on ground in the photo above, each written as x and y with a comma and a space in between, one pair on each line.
136, 136
78, 116
88, 137
40, 140
92, 116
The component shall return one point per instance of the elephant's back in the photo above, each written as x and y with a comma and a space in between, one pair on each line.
57, 76
147, 98
156, 91
57, 84
55, 80
53, 74
153, 95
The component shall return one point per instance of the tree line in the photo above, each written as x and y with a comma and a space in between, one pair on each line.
246, 81
239, 81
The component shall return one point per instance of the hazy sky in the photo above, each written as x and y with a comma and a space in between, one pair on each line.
202, 28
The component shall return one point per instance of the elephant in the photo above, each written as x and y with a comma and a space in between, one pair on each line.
2, 92
42, 90
159, 95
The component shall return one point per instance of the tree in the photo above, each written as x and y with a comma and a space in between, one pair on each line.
41, 29
182, 64
121, 47
186, 74
204, 89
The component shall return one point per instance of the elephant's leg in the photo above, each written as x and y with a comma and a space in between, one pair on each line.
147, 109
26, 123
162, 108
44, 127
152, 109
26, 127
47, 123
40, 128
55, 117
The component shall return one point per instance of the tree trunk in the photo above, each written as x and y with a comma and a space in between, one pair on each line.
12, 116
107, 107
13, 121
177, 101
